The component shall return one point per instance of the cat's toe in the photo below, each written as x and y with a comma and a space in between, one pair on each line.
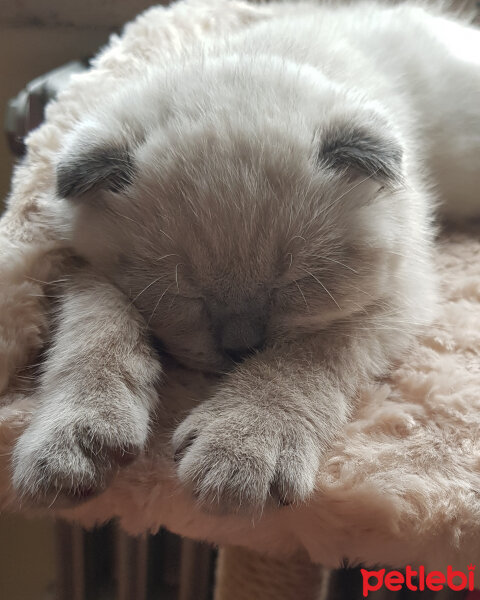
54, 476
295, 473
224, 481
230, 465
182, 439
65, 466
221, 474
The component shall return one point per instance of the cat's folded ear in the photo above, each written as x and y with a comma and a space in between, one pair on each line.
356, 151
107, 167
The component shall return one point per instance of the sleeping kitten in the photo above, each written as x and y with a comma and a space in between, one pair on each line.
264, 208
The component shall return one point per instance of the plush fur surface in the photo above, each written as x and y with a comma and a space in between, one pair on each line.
403, 485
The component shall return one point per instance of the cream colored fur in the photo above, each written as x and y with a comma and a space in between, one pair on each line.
404, 485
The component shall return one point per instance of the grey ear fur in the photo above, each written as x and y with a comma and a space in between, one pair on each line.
348, 147
107, 168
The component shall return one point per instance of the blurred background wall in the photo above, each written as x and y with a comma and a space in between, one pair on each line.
39, 35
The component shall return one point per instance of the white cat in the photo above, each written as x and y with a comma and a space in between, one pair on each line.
264, 208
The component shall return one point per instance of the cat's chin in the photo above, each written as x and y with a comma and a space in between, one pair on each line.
217, 368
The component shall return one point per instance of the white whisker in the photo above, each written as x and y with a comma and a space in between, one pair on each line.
323, 286
145, 289
326, 208
157, 304
303, 295
164, 257
176, 276
338, 263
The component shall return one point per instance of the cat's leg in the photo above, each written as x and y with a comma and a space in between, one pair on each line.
260, 439
96, 395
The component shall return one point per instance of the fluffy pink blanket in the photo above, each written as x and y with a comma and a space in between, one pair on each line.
403, 486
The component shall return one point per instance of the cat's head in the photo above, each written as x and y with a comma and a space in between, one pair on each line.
238, 203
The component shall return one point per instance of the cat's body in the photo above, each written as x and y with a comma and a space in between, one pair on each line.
266, 205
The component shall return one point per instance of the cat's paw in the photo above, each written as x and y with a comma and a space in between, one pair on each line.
242, 459
63, 459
